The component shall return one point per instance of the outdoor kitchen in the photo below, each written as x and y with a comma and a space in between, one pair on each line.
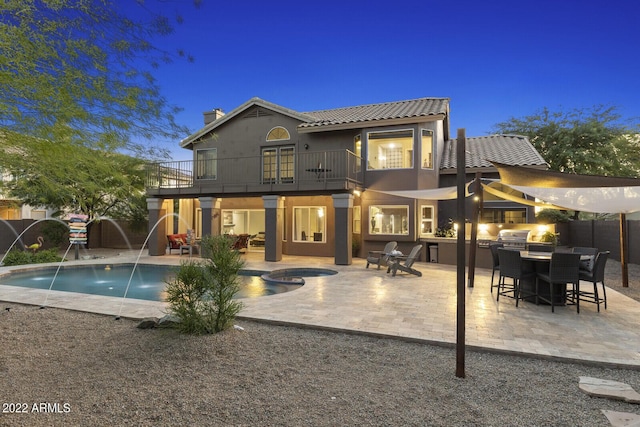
443, 249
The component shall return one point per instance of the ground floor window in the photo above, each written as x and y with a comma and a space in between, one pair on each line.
504, 216
389, 219
243, 221
426, 220
357, 220
309, 224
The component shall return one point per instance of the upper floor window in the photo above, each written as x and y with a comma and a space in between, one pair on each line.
390, 149
207, 163
278, 134
427, 149
278, 164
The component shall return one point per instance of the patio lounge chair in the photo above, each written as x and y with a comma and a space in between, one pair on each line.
406, 264
381, 257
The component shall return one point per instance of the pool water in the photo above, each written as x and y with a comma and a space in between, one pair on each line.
147, 283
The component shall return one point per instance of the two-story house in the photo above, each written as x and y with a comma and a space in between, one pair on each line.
308, 183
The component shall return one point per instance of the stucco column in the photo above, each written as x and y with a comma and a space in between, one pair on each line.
343, 207
210, 207
157, 242
273, 220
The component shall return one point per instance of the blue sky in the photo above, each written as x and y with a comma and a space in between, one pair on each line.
494, 59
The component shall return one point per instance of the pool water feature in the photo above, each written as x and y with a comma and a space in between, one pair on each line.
147, 283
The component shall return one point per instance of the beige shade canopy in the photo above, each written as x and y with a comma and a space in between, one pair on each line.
585, 193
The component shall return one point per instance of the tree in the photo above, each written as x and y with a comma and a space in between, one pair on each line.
65, 177
79, 72
584, 141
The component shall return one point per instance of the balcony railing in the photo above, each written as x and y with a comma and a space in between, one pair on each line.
299, 170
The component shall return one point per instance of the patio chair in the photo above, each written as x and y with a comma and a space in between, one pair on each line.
496, 262
241, 242
406, 264
563, 269
595, 276
381, 257
511, 266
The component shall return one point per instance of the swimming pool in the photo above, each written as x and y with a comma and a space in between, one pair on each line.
148, 281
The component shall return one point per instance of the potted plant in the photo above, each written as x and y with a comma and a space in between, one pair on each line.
355, 246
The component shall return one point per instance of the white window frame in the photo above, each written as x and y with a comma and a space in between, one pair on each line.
270, 138
357, 219
427, 220
308, 229
377, 159
391, 223
427, 158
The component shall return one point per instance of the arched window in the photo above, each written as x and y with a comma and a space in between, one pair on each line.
278, 134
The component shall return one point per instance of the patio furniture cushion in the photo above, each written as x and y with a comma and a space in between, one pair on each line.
176, 240
586, 264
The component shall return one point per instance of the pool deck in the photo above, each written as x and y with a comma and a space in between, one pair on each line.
370, 301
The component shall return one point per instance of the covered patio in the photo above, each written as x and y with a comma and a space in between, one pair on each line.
421, 309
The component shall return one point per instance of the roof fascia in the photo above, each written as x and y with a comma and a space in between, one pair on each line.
239, 110
371, 124
488, 169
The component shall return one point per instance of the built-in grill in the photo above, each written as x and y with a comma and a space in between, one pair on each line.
514, 238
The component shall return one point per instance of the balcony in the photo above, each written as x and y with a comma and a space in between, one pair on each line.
291, 173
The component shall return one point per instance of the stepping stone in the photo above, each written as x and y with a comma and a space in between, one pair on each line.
609, 389
622, 419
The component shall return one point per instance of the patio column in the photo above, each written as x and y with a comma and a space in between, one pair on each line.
273, 220
157, 242
343, 208
210, 207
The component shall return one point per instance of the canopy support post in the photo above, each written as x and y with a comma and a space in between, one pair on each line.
460, 288
475, 218
623, 250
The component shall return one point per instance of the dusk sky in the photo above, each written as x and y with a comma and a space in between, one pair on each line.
494, 59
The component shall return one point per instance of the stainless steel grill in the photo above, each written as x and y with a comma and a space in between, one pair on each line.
514, 238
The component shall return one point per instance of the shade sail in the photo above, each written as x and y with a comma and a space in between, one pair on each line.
595, 200
512, 198
520, 175
445, 193
585, 193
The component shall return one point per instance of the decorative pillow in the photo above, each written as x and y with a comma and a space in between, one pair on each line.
587, 264
177, 241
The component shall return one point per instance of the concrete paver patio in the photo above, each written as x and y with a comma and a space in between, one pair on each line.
371, 301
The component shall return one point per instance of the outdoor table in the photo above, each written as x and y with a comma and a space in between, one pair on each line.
319, 172
539, 262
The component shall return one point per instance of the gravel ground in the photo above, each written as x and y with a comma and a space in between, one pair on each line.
96, 371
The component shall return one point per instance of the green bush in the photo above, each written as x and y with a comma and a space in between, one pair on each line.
201, 295
18, 257
552, 216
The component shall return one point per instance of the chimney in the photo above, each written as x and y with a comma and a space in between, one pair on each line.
211, 116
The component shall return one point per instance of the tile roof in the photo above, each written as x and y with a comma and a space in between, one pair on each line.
508, 149
421, 107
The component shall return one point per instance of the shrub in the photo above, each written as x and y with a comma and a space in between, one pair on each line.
552, 216
18, 257
201, 295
